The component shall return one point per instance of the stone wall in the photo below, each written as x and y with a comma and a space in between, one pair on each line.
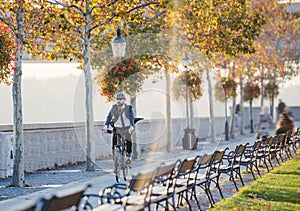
47, 145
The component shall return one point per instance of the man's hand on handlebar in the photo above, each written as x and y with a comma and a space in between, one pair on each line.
131, 130
105, 129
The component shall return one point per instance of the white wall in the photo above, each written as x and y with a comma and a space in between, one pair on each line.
54, 92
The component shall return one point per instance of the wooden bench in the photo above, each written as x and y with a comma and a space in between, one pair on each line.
186, 182
68, 198
31, 205
231, 164
249, 159
134, 195
164, 185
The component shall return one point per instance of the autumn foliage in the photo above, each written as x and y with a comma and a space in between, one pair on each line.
251, 91
7, 54
271, 89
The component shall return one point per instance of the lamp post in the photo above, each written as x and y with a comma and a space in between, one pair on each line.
189, 133
224, 74
118, 45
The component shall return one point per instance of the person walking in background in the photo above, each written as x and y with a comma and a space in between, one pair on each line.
265, 123
237, 118
285, 122
280, 108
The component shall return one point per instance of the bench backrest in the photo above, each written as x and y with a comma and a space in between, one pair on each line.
69, 198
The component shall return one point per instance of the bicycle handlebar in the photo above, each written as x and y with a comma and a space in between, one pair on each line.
111, 131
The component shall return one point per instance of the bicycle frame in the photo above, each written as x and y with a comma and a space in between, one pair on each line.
120, 161
120, 152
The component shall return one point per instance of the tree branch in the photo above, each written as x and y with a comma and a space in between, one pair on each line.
112, 3
141, 5
8, 23
73, 6
117, 14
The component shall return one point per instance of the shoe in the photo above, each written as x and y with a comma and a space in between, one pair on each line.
129, 158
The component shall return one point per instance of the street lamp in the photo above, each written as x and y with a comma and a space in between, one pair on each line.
118, 45
224, 74
189, 133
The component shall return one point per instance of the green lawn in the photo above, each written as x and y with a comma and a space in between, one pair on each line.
277, 190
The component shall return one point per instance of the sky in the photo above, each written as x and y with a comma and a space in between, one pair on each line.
54, 92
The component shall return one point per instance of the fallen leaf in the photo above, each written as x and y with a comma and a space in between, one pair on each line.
268, 207
236, 209
252, 196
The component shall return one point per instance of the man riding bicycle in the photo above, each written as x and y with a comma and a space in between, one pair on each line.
122, 117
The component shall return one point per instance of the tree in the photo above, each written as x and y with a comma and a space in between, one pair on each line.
94, 23
271, 92
252, 91
276, 44
15, 12
215, 27
23, 18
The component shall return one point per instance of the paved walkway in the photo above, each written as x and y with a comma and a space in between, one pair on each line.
44, 183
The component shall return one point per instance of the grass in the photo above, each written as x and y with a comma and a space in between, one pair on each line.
276, 190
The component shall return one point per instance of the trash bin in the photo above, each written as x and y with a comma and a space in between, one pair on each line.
6, 154
189, 141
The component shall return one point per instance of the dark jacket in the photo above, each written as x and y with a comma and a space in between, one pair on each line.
113, 114
285, 123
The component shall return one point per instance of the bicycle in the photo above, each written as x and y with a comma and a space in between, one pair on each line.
119, 156
120, 153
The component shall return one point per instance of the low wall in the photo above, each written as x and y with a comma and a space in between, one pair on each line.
47, 145
256, 110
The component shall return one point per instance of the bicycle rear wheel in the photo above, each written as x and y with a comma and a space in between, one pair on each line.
117, 162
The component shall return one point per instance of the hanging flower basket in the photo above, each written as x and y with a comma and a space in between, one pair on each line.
225, 88
271, 89
251, 91
125, 76
7, 55
187, 82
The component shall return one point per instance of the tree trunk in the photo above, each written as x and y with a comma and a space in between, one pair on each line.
90, 152
168, 111
262, 87
232, 123
18, 168
134, 144
251, 117
272, 103
211, 108
242, 106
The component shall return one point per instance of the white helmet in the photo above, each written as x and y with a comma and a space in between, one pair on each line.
120, 95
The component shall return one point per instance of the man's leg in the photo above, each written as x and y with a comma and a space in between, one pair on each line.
129, 151
114, 143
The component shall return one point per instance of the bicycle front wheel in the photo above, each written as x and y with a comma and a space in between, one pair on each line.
117, 162
125, 168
